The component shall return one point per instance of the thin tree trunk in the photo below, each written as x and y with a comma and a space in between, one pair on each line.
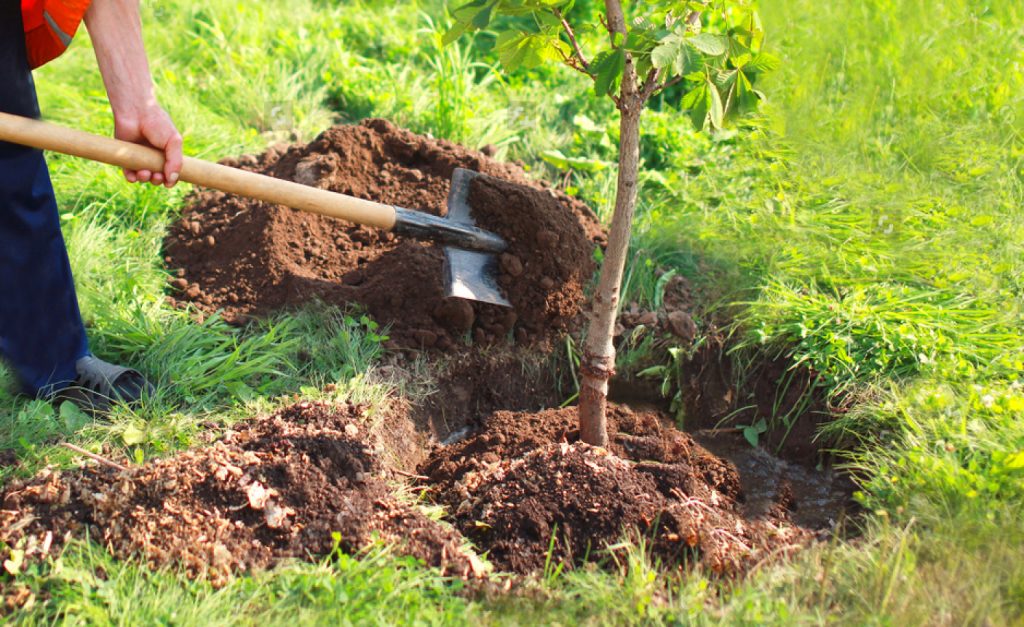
598, 363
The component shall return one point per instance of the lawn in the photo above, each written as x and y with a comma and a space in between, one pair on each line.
867, 225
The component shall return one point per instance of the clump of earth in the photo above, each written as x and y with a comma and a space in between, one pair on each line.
522, 490
527, 491
280, 487
248, 258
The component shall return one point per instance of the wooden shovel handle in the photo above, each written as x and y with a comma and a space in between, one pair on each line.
47, 136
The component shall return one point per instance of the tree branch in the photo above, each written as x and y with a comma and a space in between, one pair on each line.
616, 19
572, 39
650, 85
669, 83
617, 26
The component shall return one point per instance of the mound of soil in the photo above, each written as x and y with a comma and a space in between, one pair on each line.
275, 488
525, 487
249, 258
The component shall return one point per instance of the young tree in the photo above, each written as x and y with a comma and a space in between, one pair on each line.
706, 52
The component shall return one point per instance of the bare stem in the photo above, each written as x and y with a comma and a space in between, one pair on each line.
573, 40
93, 456
616, 19
650, 85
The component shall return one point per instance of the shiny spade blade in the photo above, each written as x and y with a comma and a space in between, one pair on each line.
471, 275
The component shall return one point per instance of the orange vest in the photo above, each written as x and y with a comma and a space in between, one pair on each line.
49, 27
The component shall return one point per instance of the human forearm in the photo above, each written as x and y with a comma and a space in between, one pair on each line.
116, 31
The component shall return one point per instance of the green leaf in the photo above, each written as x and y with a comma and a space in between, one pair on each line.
241, 391
457, 30
562, 162
710, 44
740, 95
653, 371
752, 436
745, 99
762, 62
717, 112
671, 53
132, 435
527, 50
607, 70
73, 417
482, 19
698, 102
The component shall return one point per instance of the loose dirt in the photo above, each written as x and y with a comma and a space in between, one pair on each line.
275, 488
521, 488
248, 258
525, 490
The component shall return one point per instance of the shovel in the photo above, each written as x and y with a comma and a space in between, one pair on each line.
470, 252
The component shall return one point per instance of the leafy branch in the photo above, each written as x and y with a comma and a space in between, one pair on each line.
712, 47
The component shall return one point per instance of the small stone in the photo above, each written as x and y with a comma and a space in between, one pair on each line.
512, 265
210, 241
195, 228
257, 495
193, 292
307, 172
681, 325
179, 284
489, 150
416, 175
425, 337
648, 319
277, 516
547, 240
351, 430
456, 313
547, 283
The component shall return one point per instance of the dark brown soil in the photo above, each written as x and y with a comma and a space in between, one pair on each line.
275, 488
713, 394
248, 258
525, 487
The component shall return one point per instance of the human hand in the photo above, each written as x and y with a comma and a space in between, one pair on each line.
151, 126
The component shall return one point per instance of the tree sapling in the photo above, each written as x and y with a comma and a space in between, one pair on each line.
710, 49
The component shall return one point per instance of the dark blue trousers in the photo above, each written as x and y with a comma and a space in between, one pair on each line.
41, 331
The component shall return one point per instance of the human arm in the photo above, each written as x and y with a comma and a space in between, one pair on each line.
116, 32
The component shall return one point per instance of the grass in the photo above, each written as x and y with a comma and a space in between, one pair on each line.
867, 225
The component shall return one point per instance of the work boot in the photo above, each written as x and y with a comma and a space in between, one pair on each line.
99, 385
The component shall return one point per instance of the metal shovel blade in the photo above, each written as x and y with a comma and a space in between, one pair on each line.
469, 274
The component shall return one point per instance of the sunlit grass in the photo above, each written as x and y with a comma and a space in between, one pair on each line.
868, 226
